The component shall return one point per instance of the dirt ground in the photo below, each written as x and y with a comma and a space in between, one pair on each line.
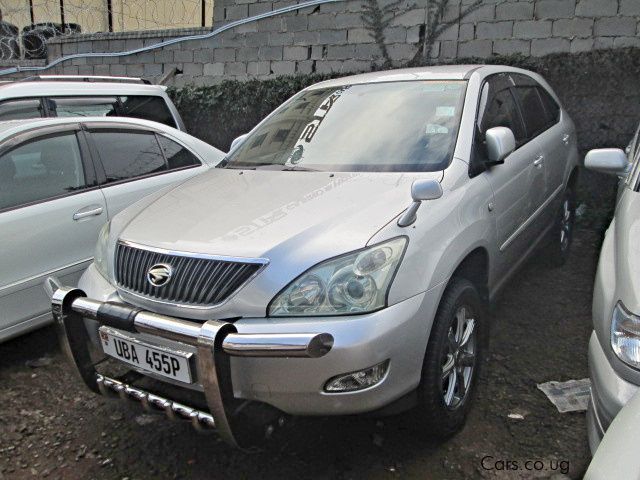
50, 427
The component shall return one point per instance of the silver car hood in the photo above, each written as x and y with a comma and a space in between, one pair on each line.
247, 213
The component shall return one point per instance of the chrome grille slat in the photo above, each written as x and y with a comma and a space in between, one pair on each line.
197, 280
207, 285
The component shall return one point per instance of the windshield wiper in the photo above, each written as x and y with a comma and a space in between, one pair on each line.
285, 168
268, 166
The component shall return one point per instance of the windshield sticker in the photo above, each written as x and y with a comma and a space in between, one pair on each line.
445, 111
312, 127
431, 128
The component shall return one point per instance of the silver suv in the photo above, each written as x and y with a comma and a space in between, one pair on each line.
339, 261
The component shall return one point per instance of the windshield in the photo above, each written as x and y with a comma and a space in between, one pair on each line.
396, 126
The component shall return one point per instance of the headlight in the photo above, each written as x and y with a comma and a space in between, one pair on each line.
100, 256
625, 335
357, 282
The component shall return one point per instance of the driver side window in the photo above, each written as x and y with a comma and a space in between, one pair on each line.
497, 108
500, 111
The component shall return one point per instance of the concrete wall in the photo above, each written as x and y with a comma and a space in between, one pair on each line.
332, 38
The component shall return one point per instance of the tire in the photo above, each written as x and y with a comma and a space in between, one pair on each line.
442, 405
561, 234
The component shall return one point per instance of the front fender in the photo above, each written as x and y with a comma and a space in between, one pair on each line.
445, 232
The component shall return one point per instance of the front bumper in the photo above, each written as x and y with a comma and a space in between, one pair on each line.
245, 361
214, 340
609, 393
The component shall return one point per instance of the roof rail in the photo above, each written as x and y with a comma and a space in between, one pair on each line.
84, 78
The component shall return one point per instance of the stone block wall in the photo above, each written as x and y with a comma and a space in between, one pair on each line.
332, 38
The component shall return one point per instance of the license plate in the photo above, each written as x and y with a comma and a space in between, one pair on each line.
155, 359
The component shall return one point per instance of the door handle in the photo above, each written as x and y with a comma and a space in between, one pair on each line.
87, 213
565, 138
538, 161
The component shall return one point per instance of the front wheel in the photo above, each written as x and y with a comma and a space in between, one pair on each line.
452, 361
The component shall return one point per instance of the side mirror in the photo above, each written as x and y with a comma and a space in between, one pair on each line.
237, 141
607, 160
500, 143
425, 190
421, 190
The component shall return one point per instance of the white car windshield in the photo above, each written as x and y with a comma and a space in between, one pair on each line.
405, 126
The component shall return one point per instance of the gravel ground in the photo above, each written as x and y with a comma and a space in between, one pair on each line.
50, 427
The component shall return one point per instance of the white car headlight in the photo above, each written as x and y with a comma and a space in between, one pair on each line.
357, 282
625, 335
100, 256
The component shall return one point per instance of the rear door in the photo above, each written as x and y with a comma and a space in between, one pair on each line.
50, 213
134, 162
543, 124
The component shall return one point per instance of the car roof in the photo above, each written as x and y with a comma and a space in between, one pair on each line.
9, 128
440, 72
76, 88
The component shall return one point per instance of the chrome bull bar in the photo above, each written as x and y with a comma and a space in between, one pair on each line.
216, 341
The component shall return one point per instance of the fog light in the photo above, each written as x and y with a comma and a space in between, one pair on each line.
359, 380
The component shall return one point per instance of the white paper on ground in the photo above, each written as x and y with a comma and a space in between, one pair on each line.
569, 396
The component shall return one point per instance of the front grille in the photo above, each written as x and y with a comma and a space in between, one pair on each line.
196, 281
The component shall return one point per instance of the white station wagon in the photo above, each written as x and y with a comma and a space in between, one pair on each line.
340, 260
60, 181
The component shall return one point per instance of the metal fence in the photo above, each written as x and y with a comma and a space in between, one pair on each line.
211, 34
26, 25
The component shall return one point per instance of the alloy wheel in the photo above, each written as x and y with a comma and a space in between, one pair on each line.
460, 358
565, 225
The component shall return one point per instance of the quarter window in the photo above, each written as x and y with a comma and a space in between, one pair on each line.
177, 156
127, 155
20, 109
40, 169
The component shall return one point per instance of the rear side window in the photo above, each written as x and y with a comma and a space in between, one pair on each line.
550, 105
20, 108
126, 155
40, 169
533, 112
147, 108
83, 106
177, 156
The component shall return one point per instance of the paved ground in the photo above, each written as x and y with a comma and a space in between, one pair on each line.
49, 427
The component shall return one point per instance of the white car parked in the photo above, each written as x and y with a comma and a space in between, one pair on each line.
87, 96
60, 181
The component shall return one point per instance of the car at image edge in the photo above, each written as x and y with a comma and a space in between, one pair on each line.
614, 346
360, 232
46, 96
61, 179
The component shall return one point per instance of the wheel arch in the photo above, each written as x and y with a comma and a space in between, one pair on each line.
475, 268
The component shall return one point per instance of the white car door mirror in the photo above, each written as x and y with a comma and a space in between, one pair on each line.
607, 160
237, 141
500, 143
421, 190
